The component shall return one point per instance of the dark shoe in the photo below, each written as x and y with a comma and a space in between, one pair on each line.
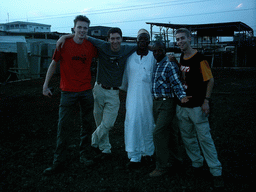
157, 173
55, 168
195, 172
147, 160
176, 168
96, 150
86, 162
106, 156
103, 156
218, 182
133, 165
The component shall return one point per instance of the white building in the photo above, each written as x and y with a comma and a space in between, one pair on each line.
21, 26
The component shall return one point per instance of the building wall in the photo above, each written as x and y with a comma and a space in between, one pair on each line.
25, 27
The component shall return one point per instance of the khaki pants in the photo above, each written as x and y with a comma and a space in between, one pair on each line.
106, 106
195, 131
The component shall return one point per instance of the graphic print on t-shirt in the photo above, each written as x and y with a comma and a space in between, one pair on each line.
184, 70
115, 60
82, 58
79, 63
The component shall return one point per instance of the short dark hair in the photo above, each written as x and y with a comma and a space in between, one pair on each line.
81, 18
183, 30
159, 44
115, 30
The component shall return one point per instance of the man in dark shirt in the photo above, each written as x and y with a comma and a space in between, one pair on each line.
193, 116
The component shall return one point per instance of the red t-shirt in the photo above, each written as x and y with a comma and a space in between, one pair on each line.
75, 63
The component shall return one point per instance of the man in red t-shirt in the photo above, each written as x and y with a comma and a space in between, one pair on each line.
75, 62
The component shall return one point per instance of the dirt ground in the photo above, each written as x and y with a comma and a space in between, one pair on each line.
28, 137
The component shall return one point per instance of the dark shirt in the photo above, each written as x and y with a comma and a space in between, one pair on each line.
195, 74
111, 64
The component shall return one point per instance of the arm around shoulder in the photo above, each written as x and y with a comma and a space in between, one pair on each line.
96, 42
61, 41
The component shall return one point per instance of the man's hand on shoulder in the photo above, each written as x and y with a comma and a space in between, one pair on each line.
172, 58
61, 41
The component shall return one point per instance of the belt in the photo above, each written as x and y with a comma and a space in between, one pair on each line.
161, 98
108, 88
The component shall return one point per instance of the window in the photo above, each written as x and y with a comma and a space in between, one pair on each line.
23, 26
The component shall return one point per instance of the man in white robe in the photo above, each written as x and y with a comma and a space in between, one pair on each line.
139, 121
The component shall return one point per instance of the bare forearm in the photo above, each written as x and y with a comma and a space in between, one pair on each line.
67, 36
209, 88
62, 39
51, 70
205, 106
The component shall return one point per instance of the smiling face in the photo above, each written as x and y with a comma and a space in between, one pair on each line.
183, 41
81, 29
115, 40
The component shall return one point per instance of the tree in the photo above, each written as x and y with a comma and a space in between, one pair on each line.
158, 37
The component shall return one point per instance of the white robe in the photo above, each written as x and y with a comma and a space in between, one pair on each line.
139, 121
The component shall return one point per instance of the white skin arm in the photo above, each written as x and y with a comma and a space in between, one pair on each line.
61, 41
51, 70
205, 106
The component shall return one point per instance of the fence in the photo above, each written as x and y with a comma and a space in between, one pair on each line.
31, 64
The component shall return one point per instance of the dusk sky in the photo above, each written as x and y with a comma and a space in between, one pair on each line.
129, 15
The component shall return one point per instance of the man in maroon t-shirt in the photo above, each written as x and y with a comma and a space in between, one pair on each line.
75, 62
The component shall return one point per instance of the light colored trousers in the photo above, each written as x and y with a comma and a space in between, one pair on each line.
194, 124
106, 106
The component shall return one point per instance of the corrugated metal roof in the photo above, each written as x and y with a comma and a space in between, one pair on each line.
235, 26
210, 29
